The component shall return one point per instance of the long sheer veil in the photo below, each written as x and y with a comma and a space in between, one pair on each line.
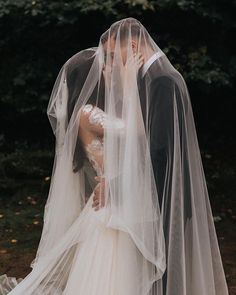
155, 184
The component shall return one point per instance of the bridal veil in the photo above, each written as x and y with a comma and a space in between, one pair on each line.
155, 184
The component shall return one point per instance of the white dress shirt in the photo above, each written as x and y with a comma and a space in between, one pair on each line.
150, 61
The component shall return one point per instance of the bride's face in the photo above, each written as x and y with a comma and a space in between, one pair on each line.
124, 50
109, 48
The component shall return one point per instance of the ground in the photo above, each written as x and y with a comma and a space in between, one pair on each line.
21, 216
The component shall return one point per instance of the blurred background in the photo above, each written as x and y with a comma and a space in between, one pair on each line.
38, 36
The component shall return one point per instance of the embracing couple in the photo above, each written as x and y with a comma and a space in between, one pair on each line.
128, 210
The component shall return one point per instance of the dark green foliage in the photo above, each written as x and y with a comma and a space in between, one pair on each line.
38, 36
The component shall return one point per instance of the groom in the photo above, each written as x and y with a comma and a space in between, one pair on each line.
160, 91
160, 109
161, 120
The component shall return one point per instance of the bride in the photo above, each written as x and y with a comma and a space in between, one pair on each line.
128, 211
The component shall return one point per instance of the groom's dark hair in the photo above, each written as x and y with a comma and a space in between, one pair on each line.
122, 27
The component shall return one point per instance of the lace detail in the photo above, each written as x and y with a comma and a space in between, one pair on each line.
96, 145
97, 116
87, 108
95, 148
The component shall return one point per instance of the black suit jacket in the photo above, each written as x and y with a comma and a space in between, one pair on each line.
163, 95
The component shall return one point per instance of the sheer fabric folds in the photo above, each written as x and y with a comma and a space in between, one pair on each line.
155, 192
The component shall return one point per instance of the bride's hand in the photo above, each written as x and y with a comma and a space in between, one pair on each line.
137, 60
99, 193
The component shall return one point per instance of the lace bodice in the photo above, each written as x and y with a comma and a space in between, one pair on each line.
95, 148
97, 115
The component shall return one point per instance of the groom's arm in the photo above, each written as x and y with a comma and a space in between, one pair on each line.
161, 128
165, 96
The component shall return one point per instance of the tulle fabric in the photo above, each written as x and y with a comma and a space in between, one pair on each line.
155, 235
100, 261
8, 283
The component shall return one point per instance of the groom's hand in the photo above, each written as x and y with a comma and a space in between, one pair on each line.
99, 193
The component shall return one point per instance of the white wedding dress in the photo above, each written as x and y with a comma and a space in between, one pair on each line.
104, 262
